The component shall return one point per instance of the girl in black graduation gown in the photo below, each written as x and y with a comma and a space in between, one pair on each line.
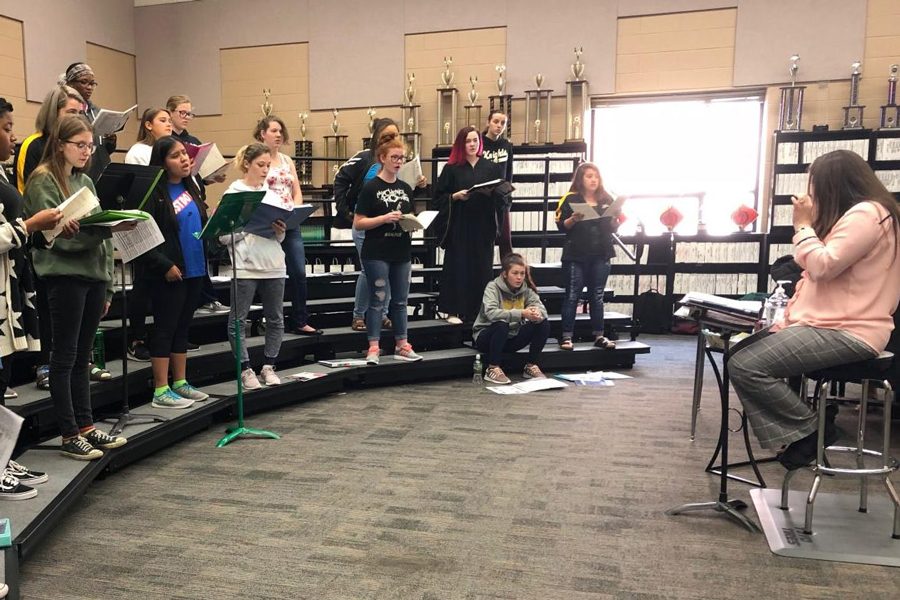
471, 227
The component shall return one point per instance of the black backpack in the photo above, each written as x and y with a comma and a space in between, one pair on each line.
653, 312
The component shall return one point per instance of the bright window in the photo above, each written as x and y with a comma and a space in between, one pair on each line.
699, 155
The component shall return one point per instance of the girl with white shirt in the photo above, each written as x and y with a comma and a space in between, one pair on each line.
155, 123
283, 181
260, 267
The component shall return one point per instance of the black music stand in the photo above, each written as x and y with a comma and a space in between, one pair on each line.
127, 187
726, 323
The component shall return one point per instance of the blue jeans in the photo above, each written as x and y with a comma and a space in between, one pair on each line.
384, 275
361, 302
592, 272
295, 257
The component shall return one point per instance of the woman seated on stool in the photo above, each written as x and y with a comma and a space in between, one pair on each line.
846, 240
512, 316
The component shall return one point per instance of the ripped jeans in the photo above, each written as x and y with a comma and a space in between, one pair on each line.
382, 274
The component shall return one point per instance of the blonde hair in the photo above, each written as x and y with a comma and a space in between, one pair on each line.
248, 154
54, 101
174, 101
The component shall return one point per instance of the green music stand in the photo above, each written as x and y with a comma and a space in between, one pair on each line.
233, 212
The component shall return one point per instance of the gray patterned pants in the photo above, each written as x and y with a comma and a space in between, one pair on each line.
759, 365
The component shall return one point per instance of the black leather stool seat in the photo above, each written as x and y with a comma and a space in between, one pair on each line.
873, 368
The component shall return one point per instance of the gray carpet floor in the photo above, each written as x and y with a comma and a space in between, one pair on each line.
437, 491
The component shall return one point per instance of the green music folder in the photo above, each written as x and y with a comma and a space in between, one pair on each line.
233, 212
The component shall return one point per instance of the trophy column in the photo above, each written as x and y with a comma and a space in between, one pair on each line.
503, 103
335, 153
410, 132
890, 112
302, 160
577, 105
446, 115
853, 113
537, 105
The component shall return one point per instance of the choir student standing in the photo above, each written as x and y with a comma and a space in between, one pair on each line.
260, 267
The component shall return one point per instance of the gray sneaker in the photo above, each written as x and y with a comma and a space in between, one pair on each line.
169, 399
249, 381
190, 392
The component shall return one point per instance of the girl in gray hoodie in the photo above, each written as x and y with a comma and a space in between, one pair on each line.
511, 317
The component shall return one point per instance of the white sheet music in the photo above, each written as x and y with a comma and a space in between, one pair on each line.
73, 208
139, 240
10, 425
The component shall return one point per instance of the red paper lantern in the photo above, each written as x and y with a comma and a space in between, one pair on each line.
743, 216
671, 217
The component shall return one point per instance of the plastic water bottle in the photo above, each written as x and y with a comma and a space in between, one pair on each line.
98, 355
477, 370
775, 304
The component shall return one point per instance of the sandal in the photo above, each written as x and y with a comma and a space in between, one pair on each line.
604, 343
358, 324
98, 374
566, 344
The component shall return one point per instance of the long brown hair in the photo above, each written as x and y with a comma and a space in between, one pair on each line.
53, 161
839, 181
578, 179
144, 135
513, 259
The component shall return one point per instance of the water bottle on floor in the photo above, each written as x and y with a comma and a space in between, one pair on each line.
477, 370
98, 355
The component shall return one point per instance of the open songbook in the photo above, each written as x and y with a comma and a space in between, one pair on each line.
110, 121
410, 222
590, 212
743, 314
73, 208
208, 160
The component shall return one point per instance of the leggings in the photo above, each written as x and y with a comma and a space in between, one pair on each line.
173, 310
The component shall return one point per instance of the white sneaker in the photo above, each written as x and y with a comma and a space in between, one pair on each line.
454, 320
249, 380
268, 375
372, 356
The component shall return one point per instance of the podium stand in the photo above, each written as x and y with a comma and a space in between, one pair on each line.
726, 321
232, 214
124, 186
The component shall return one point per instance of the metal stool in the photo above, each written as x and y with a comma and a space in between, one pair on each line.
864, 372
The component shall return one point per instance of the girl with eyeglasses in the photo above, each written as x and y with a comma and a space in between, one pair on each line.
386, 250
181, 109
173, 272
155, 124
348, 182
81, 77
283, 181
59, 102
77, 268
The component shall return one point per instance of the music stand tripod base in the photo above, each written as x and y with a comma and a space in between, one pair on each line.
729, 507
237, 432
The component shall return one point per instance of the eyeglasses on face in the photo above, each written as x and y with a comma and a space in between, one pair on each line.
82, 146
399, 158
87, 82
185, 114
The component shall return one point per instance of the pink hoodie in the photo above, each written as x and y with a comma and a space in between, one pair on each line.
851, 280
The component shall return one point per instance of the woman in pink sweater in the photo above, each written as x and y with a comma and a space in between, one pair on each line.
846, 240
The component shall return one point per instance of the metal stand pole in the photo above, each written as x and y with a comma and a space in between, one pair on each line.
239, 431
126, 418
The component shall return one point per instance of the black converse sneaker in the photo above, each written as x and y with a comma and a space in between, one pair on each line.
100, 439
11, 489
79, 449
26, 475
